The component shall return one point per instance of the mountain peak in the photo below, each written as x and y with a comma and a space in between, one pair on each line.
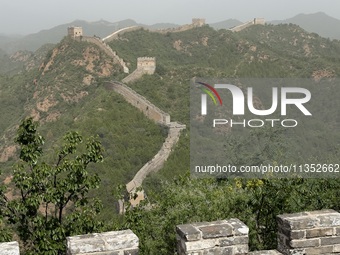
319, 22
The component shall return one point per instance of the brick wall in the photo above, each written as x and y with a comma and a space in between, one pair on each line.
305, 233
140, 102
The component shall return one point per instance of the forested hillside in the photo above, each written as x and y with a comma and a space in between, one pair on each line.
63, 87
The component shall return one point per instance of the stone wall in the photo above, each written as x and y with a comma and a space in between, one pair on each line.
154, 165
140, 102
157, 162
110, 243
135, 75
11, 248
305, 233
195, 23
218, 237
315, 232
256, 21
115, 35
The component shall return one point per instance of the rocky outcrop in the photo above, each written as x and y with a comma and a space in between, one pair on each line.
102, 45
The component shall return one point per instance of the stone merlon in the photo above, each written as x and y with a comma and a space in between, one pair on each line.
116, 242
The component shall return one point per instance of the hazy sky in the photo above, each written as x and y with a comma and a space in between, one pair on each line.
30, 16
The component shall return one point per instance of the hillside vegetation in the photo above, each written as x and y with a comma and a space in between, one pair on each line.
65, 90
282, 51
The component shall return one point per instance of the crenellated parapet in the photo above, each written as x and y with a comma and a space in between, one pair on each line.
305, 233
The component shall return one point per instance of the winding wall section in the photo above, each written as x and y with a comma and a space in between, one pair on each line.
115, 34
157, 162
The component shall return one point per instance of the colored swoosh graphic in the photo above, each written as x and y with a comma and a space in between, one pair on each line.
210, 94
213, 90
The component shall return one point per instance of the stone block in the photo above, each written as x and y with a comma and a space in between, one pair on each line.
319, 250
218, 251
131, 252
336, 248
10, 248
330, 220
215, 231
283, 240
305, 243
240, 249
188, 232
199, 245
265, 252
330, 240
318, 232
234, 240
320, 212
292, 234
107, 242
239, 228
309, 220
217, 237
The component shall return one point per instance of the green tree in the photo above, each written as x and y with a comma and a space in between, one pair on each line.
52, 200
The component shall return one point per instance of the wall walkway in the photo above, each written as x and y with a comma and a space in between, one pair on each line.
157, 162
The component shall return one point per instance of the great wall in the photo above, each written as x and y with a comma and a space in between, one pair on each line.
145, 65
157, 162
77, 34
304, 233
256, 21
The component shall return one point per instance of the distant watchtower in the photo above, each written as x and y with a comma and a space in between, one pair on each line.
75, 31
259, 21
198, 22
146, 65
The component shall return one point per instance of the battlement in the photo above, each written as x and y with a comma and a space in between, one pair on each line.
198, 22
146, 64
75, 31
305, 233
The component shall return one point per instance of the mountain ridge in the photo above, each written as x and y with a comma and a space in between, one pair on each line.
319, 23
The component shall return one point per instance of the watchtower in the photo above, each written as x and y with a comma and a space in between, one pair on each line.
75, 31
259, 21
147, 65
198, 22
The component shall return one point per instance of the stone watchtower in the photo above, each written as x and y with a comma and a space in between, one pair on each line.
198, 22
146, 65
259, 21
75, 31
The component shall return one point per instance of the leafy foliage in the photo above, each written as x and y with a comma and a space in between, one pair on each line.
52, 200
